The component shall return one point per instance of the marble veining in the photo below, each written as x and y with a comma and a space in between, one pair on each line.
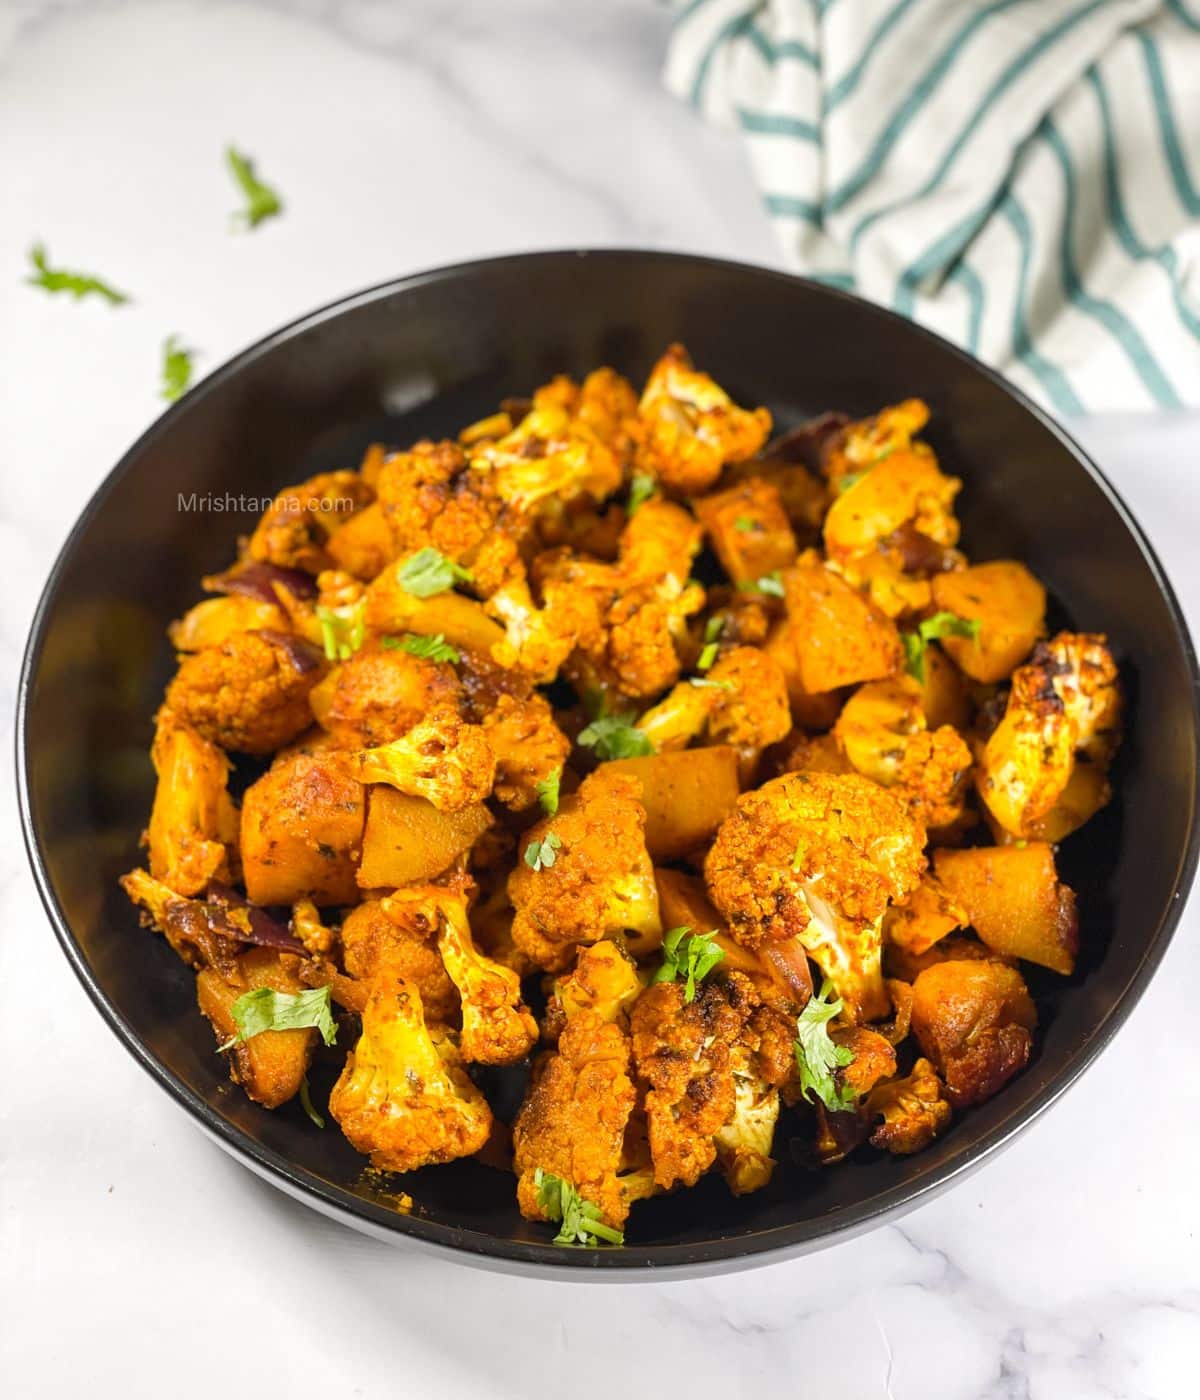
405, 135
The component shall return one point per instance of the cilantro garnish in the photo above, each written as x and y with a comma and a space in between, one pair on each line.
580, 1220
435, 648
262, 202
78, 284
689, 955
429, 572
265, 1009
941, 624
817, 1056
342, 630
541, 855
712, 635
614, 736
176, 368
771, 584
306, 1103
547, 792
642, 486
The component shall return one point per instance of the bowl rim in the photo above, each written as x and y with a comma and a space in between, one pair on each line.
627, 1263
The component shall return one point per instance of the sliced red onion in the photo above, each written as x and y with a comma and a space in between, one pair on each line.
807, 443
258, 927
256, 580
303, 655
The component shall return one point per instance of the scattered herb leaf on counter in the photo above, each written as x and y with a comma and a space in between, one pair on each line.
547, 792
265, 1009
176, 369
817, 1056
691, 956
614, 736
580, 1220
429, 572
435, 648
262, 202
342, 630
78, 284
942, 624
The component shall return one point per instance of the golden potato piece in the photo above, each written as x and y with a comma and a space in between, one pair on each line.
687, 794
1015, 901
1010, 606
302, 830
407, 839
749, 529
840, 637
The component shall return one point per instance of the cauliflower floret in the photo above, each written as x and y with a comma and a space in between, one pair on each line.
538, 640
497, 1028
927, 916
295, 530
904, 489
584, 873
690, 427
403, 1097
856, 447
604, 980
743, 701
380, 693
818, 856
549, 453
193, 827
912, 1111
1063, 717
399, 931
528, 745
575, 1120
250, 694
975, 1020
691, 1056
882, 730
443, 759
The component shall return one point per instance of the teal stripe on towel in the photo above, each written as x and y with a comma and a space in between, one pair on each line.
1188, 195
1127, 235
968, 279
913, 103
1051, 378
943, 249
731, 27
1109, 316
790, 207
847, 83
775, 124
775, 50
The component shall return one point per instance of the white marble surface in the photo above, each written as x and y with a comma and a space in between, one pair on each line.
133, 1253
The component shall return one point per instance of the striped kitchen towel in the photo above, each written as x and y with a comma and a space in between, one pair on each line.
1021, 175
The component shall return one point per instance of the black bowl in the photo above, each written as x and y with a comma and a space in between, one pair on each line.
423, 356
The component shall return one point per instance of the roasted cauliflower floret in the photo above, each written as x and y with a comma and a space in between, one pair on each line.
904, 489
528, 745
380, 693
690, 427
857, 447
712, 1067
974, 1019
584, 873
431, 499
193, 827
604, 980
250, 694
882, 730
403, 1097
575, 1119
818, 857
928, 915
443, 759
549, 453
497, 1028
295, 531
909, 1112
399, 932
742, 701
1063, 716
